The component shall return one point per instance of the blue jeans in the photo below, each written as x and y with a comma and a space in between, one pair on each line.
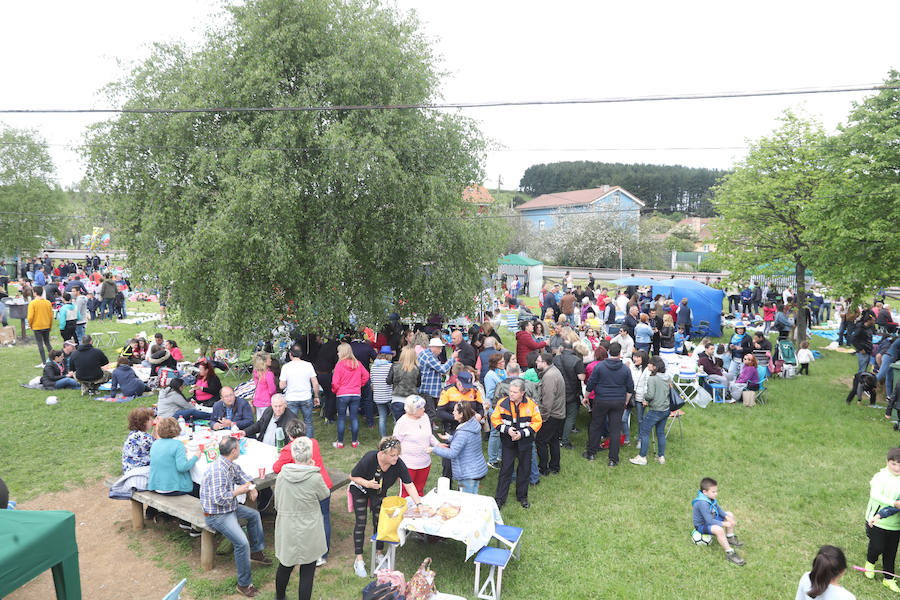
227, 525
79, 331
862, 360
106, 307
343, 403
654, 418
325, 506
470, 486
67, 382
398, 410
383, 412
886, 373
493, 443
304, 407
625, 428
191, 414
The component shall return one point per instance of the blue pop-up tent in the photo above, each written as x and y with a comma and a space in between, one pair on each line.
705, 302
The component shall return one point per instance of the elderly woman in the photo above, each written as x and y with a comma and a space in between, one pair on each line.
136, 451
299, 528
416, 441
464, 450
170, 467
370, 480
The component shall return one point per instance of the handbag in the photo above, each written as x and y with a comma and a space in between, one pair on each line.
396, 579
380, 591
389, 518
421, 585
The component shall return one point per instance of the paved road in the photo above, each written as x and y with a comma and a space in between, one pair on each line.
557, 272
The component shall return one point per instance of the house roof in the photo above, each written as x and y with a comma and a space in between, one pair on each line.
477, 194
518, 259
699, 225
575, 198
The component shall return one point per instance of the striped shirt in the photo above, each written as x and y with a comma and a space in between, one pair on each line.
382, 392
432, 372
217, 488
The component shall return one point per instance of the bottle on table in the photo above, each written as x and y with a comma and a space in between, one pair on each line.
279, 438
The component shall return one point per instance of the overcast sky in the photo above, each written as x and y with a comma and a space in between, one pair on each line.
59, 54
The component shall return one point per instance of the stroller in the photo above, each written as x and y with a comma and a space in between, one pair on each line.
785, 358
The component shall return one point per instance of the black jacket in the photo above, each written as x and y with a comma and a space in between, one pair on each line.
52, 373
467, 354
862, 339
571, 366
610, 381
87, 362
258, 429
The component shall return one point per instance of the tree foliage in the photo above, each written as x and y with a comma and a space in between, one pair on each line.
765, 203
308, 216
663, 188
29, 195
853, 221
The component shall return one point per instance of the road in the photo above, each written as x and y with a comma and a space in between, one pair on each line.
557, 272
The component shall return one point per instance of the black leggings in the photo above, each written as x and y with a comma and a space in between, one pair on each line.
884, 543
283, 575
361, 501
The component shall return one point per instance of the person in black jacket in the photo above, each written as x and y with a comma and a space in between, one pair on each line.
55, 376
862, 341
88, 363
756, 298
467, 355
613, 387
273, 417
324, 363
572, 368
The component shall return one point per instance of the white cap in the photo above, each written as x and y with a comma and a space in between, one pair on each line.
51, 400
436, 343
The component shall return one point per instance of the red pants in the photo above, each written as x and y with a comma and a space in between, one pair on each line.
419, 477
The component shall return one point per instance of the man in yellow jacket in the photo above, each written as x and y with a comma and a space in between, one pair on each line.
40, 318
518, 419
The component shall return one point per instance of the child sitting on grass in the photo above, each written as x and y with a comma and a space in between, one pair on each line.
804, 357
710, 518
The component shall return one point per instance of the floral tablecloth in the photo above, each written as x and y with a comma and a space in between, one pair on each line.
474, 525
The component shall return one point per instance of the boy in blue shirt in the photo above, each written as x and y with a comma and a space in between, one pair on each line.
710, 518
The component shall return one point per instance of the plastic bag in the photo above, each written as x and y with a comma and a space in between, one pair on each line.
391, 514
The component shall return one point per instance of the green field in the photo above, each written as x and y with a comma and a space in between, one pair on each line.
795, 472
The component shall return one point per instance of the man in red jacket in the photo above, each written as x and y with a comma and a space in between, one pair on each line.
294, 429
525, 343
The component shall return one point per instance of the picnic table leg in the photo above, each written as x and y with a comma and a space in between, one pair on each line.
137, 515
66, 578
207, 549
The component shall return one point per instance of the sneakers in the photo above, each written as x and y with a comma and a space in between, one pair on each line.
891, 584
870, 570
359, 567
638, 460
494, 465
261, 558
379, 557
734, 541
661, 460
587, 455
354, 444
249, 591
337, 445
612, 463
321, 562
733, 558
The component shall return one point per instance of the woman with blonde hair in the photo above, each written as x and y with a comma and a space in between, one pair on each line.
421, 342
264, 380
346, 383
405, 378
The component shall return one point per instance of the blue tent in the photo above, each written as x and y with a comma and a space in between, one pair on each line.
705, 302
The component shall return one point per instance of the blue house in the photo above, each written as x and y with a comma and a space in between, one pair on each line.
545, 211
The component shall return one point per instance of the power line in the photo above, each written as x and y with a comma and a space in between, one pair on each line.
460, 105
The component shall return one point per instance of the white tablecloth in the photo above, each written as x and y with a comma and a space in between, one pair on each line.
474, 525
255, 456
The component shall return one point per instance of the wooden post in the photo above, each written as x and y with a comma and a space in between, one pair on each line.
137, 515
207, 549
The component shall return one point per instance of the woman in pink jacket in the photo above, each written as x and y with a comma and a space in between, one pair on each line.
346, 383
264, 380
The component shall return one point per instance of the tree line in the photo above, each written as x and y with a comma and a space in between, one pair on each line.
663, 188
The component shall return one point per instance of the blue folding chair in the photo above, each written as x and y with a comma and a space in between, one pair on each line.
175, 594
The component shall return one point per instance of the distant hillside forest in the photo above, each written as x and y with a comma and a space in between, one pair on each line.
664, 188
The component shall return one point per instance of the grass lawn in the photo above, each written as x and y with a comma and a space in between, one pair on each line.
795, 472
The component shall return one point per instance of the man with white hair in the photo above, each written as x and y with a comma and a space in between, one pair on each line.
433, 371
490, 349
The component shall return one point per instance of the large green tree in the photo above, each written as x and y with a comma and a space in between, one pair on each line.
853, 221
258, 217
29, 194
765, 202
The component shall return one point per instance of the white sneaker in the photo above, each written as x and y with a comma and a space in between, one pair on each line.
379, 557
359, 567
661, 460
638, 460
321, 562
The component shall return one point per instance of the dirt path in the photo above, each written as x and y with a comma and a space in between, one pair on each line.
109, 569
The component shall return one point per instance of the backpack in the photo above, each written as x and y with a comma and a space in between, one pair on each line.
675, 399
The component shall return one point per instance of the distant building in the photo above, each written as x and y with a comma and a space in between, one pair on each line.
545, 211
478, 195
701, 227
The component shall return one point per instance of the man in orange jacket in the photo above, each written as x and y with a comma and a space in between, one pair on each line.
40, 318
518, 419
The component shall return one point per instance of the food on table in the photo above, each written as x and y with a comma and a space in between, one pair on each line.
448, 511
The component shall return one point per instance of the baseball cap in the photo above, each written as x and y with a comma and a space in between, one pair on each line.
465, 378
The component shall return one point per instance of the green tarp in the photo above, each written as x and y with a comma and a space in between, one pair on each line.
32, 541
518, 259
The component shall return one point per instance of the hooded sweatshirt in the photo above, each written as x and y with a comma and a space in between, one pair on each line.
299, 529
86, 361
347, 379
884, 491
706, 511
610, 381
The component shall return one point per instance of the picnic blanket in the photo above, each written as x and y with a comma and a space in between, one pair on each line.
115, 399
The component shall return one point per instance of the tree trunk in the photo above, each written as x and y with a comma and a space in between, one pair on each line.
800, 276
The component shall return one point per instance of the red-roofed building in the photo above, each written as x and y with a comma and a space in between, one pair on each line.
701, 227
478, 195
545, 211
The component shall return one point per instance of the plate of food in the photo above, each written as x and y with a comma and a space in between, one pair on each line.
423, 511
447, 511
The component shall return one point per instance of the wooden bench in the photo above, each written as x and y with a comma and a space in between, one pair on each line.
188, 509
